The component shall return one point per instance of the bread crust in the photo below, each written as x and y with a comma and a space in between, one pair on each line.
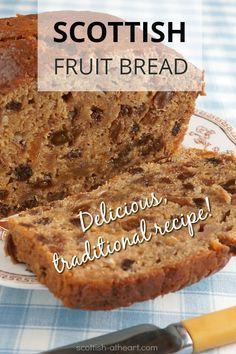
18, 52
112, 293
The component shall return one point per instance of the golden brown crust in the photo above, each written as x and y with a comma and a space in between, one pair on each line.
125, 292
112, 293
17, 69
18, 27
18, 52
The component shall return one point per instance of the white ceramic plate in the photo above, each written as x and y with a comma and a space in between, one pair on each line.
206, 131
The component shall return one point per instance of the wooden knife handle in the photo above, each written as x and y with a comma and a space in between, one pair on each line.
212, 330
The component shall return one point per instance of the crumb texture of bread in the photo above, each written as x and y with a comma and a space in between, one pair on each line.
54, 141
162, 265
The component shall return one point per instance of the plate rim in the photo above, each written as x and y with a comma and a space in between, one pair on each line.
20, 281
225, 126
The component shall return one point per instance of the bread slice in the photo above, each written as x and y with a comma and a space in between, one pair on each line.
143, 271
52, 141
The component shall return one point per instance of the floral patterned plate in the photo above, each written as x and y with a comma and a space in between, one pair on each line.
206, 131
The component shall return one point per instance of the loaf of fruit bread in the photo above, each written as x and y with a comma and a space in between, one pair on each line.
52, 141
143, 271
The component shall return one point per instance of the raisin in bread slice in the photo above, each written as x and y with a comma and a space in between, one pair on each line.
52, 141
164, 264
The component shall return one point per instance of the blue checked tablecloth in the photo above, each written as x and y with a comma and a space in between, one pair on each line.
32, 321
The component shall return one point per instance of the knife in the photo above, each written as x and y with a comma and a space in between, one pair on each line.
188, 336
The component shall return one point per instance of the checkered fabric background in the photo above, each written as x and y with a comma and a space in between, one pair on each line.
32, 321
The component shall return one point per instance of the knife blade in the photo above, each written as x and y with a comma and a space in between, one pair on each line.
193, 335
146, 339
